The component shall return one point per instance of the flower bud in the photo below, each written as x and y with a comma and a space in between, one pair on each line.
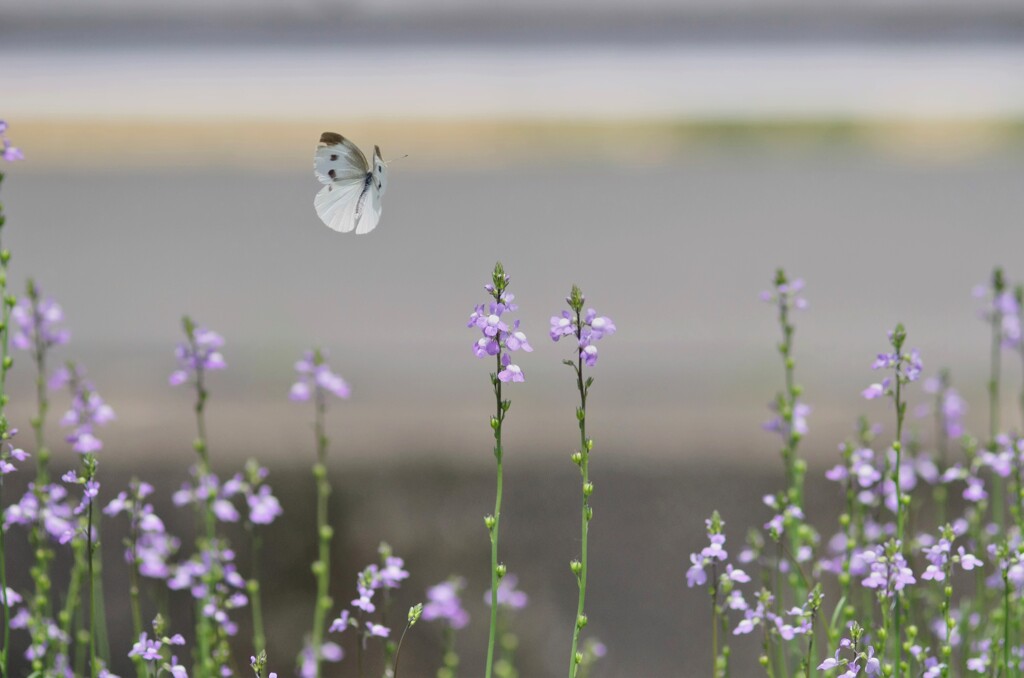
581, 621
588, 489
490, 522
501, 570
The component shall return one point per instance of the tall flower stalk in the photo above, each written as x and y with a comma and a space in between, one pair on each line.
199, 354
906, 368
37, 329
264, 508
6, 303
88, 411
587, 329
499, 340
315, 382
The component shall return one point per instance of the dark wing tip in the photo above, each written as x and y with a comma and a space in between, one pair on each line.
331, 138
376, 152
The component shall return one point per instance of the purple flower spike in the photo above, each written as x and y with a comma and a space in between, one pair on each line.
200, 353
10, 153
588, 327
508, 595
37, 322
316, 376
498, 338
443, 603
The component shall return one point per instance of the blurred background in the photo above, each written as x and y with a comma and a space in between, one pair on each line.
666, 155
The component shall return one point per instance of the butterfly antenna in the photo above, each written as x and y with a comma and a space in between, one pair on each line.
388, 162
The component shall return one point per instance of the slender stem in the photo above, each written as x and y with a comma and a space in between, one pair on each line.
499, 417
398, 651
5, 365
900, 409
259, 638
133, 584
586, 513
714, 625
322, 567
1006, 623
3, 591
203, 626
993, 396
93, 668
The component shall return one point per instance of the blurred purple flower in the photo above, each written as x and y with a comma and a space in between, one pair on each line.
10, 153
37, 324
198, 354
444, 603
508, 595
315, 374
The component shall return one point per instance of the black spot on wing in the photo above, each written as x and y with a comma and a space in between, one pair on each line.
334, 156
332, 174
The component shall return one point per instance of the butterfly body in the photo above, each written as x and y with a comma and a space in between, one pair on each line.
350, 198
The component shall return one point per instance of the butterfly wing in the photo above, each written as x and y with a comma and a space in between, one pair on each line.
369, 209
336, 203
338, 159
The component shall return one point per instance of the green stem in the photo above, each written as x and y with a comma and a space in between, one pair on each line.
204, 635
322, 567
93, 668
586, 513
993, 395
398, 651
494, 525
5, 365
133, 585
259, 639
3, 591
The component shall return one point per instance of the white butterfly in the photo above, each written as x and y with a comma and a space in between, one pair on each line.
350, 200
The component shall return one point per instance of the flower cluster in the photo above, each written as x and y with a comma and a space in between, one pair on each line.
200, 353
151, 651
149, 545
37, 323
443, 603
1001, 307
499, 339
212, 578
314, 374
786, 293
47, 507
587, 327
508, 595
8, 452
907, 366
10, 153
388, 575
857, 659
88, 410
888, 571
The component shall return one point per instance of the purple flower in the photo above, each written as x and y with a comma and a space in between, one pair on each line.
508, 595
392, 574
786, 293
10, 153
263, 506
200, 353
88, 411
341, 623
329, 652
588, 327
37, 322
1000, 307
498, 338
314, 374
444, 603
377, 630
